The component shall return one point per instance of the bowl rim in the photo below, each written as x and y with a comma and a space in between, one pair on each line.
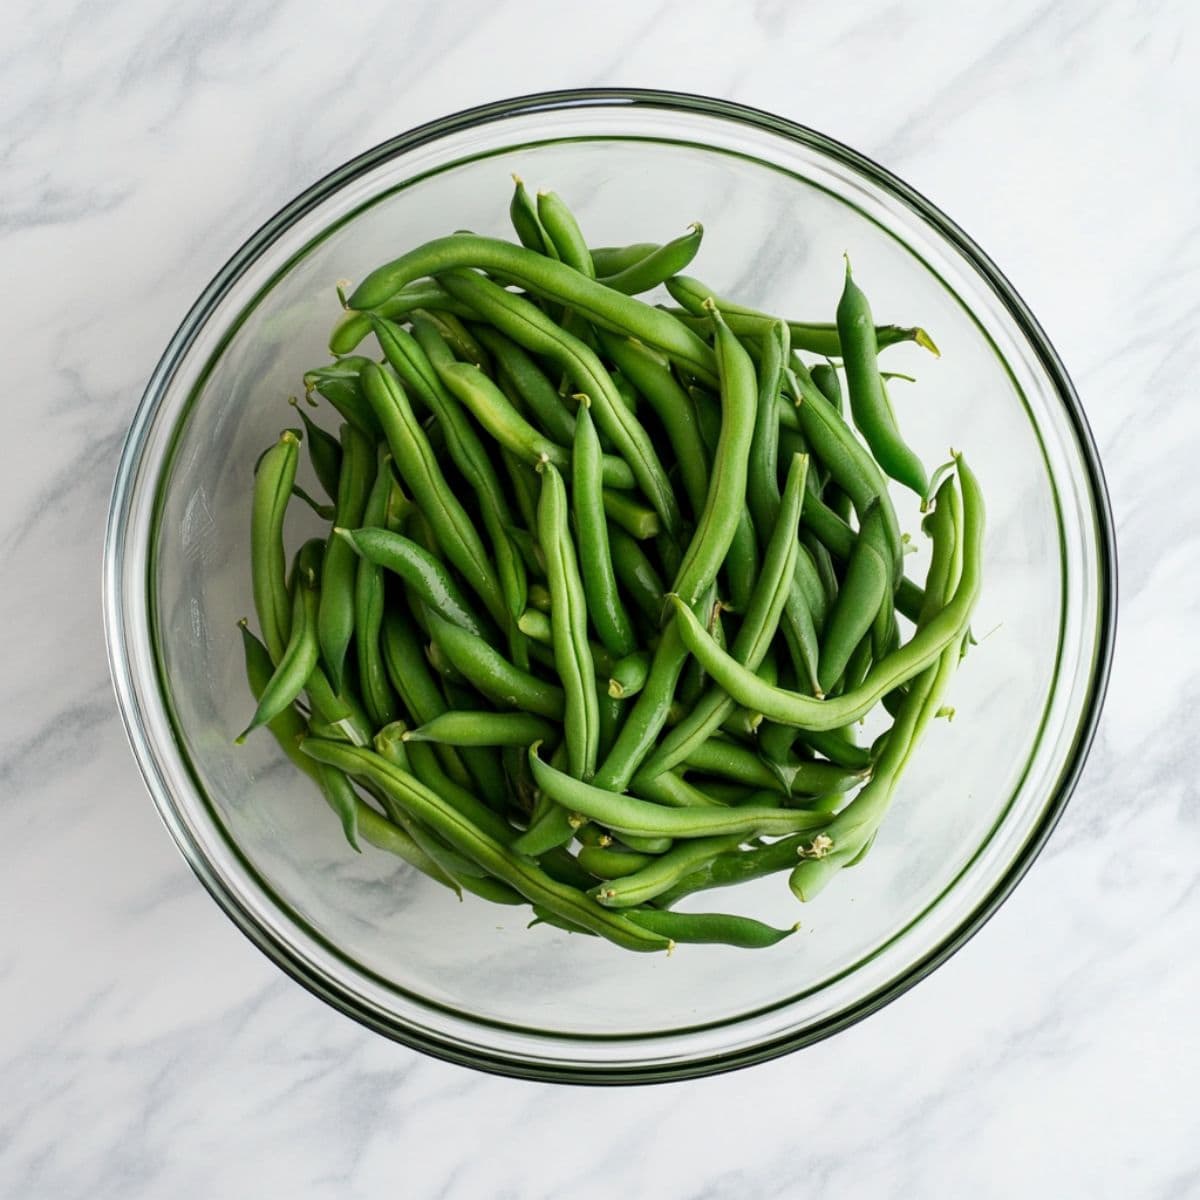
344, 999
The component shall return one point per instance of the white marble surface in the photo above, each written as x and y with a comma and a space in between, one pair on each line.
146, 1049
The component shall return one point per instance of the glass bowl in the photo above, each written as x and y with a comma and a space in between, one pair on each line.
468, 981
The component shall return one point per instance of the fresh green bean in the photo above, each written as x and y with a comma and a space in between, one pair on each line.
568, 626
656, 266
268, 564
920, 652
466, 837
300, 654
324, 451
423, 574
627, 815
660, 873
488, 671
543, 277
628, 676
418, 465
868, 400
815, 337
743, 932
536, 391
466, 728
335, 616
529, 326
604, 605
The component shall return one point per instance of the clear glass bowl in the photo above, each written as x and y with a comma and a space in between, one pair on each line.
468, 981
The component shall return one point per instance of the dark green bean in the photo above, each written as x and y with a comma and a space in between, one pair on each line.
418, 465
604, 605
868, 400
530, 327
543, 277
637, 576
627, 815
335, 617
466, 837
466, 728
568, 625
926, 646
299, 656
489, 672
815, 337
424, 575
377, 694
718, 928
339, 384
268, 564
324, 452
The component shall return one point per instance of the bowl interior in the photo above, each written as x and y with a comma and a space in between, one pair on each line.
403, 952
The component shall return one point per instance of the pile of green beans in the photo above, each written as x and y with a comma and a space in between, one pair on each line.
606, 586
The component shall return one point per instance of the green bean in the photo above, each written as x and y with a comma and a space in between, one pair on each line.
545, 278
741, 564
287, 727
726, 499
457, 337
492, 410
849, 464
563, 233
488, 671
627, 815
743, 932
651, 375
670, 789
551, 827
335, 617
378, 699
628, 676
529, 326
637, 576
815, 337
464, 836
635, 519
268, 564
568, 626
868, 400
423, 574
604, 605
465, 728
418, 464
608, 260
865, 589
421, 295
656, 876
910, 660
324, 452
647, 843
762, 483
408, 358
731, 761
536, 391
705, 553
607, 863
523, 213
757, 631
734, 867
339, 384
610, 714
298, 659
657, 265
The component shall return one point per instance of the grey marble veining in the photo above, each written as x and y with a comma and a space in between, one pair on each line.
147, 1049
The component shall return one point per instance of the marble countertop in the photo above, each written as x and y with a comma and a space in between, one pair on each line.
147, 1049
